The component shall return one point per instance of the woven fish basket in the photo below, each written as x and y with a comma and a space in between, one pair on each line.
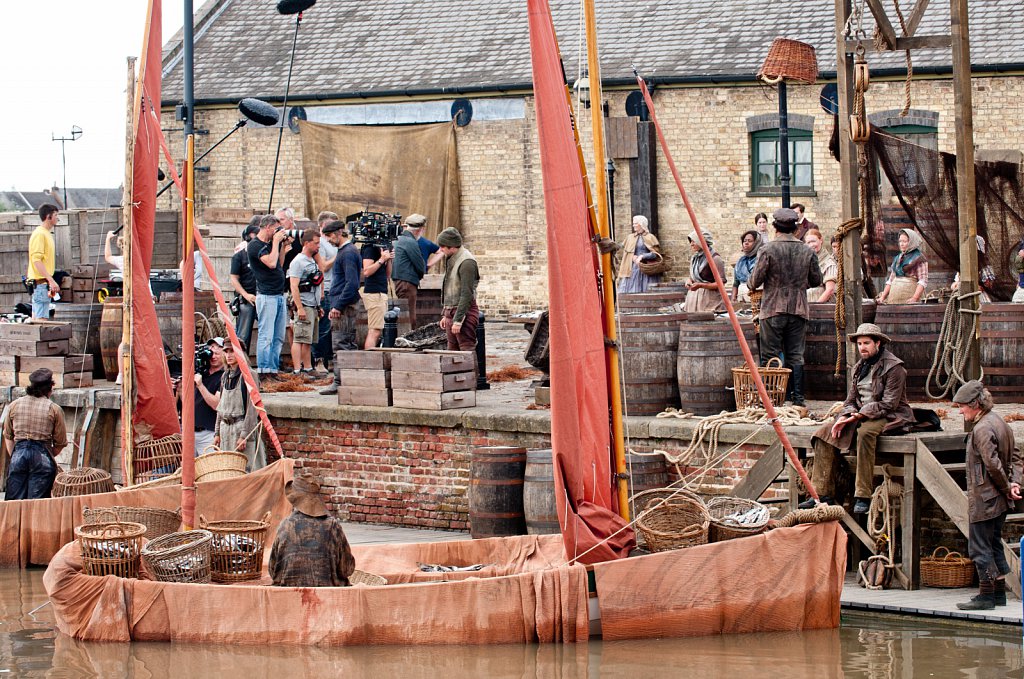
169, 480
82, 481
220, 464
359, 577
775, 379
949, 569
111, 547
180, 557
158, 522
722, 529
656, 266
156, 459
643, 499
681, 522
236, 551
789, 60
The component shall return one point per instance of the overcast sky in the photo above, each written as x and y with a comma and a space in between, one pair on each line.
64, 64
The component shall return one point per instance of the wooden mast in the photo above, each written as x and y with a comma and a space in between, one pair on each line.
608, 276
127, 372
188, 344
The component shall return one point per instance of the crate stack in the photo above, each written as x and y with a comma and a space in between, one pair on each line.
365, 379
433, 380
42, 344
86, 280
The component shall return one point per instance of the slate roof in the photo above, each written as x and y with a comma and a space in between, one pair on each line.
347, 47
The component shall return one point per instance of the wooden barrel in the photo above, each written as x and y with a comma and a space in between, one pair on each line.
646, 472
539, 506
428, 306
85, 330
914, 330
168, 316
651, 301
708, 351
1002, 346
820, 353
496, 491
647, 346
111, 332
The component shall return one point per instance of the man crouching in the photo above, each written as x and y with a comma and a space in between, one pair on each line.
310, 549
876, 403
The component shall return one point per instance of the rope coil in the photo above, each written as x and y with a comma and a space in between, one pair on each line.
952, 349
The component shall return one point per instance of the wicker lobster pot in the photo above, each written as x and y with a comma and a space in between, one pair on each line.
156, 459
678, 523
946, 570
158, 522
180, 557
82, 481
721, 507
220, 464
656, 266
236, 551
111, 547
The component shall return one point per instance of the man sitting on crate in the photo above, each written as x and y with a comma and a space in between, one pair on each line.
310, 549
876, 403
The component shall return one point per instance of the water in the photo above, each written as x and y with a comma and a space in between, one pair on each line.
868, 647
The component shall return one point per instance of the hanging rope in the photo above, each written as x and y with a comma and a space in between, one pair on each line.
839, 313
910, 64
883, 519
953, 347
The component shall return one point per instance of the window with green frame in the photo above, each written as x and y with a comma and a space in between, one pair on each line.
765, 165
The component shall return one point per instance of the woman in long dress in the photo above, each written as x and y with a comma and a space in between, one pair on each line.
702, 293
640, 246
825, 292
751, 242
908, 274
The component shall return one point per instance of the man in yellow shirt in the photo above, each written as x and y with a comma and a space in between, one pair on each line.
41, 262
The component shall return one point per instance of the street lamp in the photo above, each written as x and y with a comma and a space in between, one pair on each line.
76, 132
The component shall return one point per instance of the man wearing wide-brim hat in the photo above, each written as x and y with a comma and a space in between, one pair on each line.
993, 485
310, 549
876, 403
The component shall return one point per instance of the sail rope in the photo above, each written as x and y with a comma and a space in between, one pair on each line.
952, 349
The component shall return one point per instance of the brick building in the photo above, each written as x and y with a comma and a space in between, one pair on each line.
406, 62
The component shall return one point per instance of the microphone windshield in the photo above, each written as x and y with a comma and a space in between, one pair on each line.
294, 6
259, 111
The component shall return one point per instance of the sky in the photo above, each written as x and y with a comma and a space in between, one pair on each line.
63, 64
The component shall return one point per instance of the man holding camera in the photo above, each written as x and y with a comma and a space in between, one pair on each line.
376, 272
410, 266
207, 395
266, 259
305, 278
459, 315
343, 295
244, 283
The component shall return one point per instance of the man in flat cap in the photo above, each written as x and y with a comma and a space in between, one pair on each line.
460, 314
786, 268
993, 485
35, 434
876, 403
310, 549
409, 266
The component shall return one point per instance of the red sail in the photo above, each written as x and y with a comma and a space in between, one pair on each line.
580, 436
154, 402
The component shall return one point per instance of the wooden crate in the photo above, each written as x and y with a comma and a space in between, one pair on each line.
375, 379
438, 382
36, 331
361, 360
59, 365
434, 361
30, 348
80, 297
433, 400
83, 284
390, 352
61, 380
363, 396
8, 371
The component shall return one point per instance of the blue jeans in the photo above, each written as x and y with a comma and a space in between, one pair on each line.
41, 301
272, 313
32, 471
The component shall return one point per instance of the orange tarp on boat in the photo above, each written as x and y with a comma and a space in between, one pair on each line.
31, 531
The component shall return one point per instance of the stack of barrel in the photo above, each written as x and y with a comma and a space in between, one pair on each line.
648, 335
708, 351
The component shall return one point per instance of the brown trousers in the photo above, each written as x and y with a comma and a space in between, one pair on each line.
466, 339
825, 453
407, 291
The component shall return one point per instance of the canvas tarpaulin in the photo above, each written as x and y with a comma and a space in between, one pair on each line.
404, 168
31, 531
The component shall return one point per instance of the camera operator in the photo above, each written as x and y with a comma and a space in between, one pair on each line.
244, 283
325, 260
266, 259
410, 266
376, 272
305, 279
207, 396
343, 295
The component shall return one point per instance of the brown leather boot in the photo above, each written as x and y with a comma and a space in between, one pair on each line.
999, 595
984, 600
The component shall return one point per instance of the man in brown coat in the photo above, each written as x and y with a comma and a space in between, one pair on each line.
876, 403
993, 485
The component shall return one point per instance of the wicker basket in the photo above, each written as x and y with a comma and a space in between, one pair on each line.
722, 530
948, 570
655, 267
775, 380
180, 557
678, 523
111, 547
236, 551
643, 499
82, 481
359, 577
158, 522
220, 464
169, 480
156, 459
790, 60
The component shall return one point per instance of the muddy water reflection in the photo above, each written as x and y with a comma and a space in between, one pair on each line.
29, 647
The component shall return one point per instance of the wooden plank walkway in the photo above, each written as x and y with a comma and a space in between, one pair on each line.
927, 601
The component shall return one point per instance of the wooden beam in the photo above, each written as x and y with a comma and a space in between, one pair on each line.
941, 486
882, 19
762, 474
1013, 577
643, 176
923, 42
916, 15
910, 523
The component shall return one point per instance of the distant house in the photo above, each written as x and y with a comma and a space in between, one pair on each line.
78, 199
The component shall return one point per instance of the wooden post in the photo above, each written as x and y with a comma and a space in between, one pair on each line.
643, 176
965, 188
852, 274
125, 350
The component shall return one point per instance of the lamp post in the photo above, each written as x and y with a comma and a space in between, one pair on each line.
76, 132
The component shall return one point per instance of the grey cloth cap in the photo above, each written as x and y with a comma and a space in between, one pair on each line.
970, 392
416, 221
785, 214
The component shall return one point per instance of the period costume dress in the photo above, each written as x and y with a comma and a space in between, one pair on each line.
829, 272
237, 417
908, 270
741, 272
700, 272
631, 278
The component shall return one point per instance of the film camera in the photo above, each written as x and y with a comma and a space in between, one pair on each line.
203, 356
375, 228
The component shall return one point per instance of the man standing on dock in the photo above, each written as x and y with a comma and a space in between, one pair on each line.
409, 266
876, 403
266, 259
993, 484
786, 268
343, 296
460, 314
42, 261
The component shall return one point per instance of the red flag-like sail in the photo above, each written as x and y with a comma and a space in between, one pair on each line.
579, 383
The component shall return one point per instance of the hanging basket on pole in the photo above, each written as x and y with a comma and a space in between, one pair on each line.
789, 60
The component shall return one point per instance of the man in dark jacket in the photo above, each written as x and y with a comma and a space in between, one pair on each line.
786, 268
409, 266
344, 295
876, 403
993, 485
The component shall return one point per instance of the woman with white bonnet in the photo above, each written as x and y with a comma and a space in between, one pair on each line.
640, 246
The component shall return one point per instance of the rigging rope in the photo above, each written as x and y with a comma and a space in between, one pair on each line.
953, 347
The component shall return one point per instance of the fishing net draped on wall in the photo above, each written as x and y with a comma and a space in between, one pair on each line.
923, 183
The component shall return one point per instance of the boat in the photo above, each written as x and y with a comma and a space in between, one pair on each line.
562, 588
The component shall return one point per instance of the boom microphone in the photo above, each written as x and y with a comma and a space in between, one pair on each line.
294, 6
259, 111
